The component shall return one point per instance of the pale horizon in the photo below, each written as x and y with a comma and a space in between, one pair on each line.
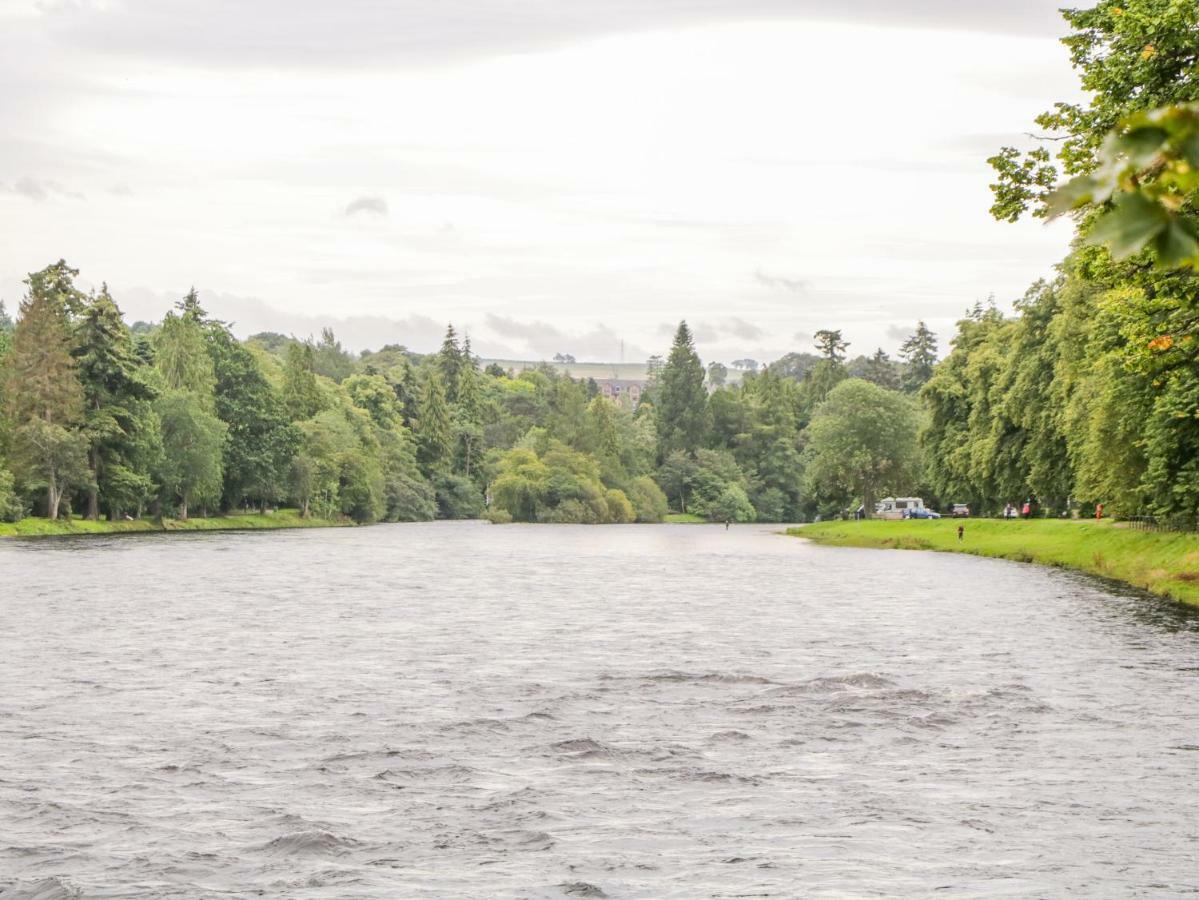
546, 186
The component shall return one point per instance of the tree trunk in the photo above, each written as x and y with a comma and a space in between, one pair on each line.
304, 509
183, 508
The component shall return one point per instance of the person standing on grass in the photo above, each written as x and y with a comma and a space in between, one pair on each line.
961, 532
1098, 511
1027, 510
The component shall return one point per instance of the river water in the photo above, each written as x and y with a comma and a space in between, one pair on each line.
463, 710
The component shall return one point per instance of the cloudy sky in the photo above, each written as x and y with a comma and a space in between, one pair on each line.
552, 175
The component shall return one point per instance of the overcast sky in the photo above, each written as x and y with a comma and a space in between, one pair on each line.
551, 175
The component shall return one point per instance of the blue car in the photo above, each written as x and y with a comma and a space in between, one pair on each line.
921, 513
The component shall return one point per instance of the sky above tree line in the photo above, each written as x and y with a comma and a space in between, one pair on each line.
561, 177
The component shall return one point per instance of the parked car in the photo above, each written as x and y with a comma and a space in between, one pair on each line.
960, 511
921, 512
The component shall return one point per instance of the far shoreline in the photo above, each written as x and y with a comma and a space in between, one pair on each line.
274, 521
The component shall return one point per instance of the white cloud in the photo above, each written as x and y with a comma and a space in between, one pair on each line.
617, 174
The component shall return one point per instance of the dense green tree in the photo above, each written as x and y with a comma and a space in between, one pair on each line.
861, 443
682, 399
43, 394
330, 359
919, 352
434, 427
193, 439
449, 363
878, 369
375, 396
649, 503
116, 392
261, 441
181, 352
302, 395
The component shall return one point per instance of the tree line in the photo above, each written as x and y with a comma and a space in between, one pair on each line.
180, 418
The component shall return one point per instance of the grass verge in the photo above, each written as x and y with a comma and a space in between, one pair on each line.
1164, 564
283, 518
684, 519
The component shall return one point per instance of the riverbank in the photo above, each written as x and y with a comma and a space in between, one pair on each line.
283, 518
1163, 563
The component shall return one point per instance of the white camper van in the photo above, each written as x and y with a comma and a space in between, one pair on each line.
897, 507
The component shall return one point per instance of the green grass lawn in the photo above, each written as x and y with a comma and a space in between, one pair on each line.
1166, 564
684, 519
283, 518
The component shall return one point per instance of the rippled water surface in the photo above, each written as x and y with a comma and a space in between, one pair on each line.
460, 710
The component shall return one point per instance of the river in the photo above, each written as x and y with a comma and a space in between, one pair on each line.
463, 710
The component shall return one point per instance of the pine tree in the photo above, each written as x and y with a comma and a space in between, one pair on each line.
434, 431
920, 353
44, 398
449, 363
881, 370
830, 345
115, 391
467, 427
682, 400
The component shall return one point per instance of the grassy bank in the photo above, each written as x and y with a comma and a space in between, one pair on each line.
284, 518
1165, 564
684, 519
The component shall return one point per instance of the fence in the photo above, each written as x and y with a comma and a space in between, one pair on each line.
1163, 523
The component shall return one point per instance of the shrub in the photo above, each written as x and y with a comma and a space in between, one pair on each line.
649, 503
458, 498
620, 510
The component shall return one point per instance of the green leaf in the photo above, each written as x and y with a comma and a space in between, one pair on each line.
1141, 145
1127, 229
1190, 150
1177, 245
1070, 196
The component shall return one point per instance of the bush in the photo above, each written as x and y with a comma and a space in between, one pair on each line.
458, 498
731, 506
499, 516
649, 503
620, 510
571, 512
409, 498
771, 505
11, 507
